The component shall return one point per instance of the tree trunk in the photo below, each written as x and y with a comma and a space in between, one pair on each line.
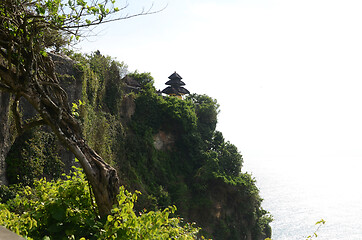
27, 71
43, 92
102, 177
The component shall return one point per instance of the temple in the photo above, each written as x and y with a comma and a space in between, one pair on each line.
175, 86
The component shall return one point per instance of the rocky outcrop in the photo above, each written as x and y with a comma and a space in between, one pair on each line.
71, 77
226, 215
127, 109
163, 141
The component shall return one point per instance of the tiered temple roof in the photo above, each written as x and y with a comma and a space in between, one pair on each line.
175, 86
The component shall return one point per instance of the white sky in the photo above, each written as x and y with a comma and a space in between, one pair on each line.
287, 73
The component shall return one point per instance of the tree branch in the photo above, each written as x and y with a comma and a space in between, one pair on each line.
25, 30
98, 22
32, 124
5, 88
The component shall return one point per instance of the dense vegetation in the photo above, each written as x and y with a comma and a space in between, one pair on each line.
167, 148
65, 209
29, 32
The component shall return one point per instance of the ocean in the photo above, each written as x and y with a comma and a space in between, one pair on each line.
299, 193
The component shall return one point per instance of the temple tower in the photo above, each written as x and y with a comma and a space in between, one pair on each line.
175, 86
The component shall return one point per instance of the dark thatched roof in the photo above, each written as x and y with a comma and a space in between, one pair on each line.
175, 82
175, 86
175, 75
175, 79
175, 90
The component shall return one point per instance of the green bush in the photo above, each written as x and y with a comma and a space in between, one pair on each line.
33, 156
59, 208
126, 224
64, 209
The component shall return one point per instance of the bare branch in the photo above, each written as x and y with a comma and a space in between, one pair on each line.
32, 124
97, 22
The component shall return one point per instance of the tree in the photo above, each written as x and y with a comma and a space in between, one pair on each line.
28, 30
207, 110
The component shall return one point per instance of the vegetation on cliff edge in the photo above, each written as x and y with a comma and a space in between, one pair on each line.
196, 170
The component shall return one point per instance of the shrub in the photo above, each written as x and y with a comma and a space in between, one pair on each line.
64, 209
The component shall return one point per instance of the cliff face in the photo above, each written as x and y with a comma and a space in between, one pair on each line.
227, 212
71, 77
165, 147
71, 81
4, 133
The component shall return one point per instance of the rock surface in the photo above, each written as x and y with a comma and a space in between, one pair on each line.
6, 234
4, 133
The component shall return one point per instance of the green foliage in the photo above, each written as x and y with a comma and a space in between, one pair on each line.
319, 224
206, 110
64, 209
125, 224
226, 156
193, 168
56, 209
99, 108
108, 87
100, 130
144, 79
7, 192
33, 155
76, 108
31, 28
170, 114
63, 16
199, 160
20, 224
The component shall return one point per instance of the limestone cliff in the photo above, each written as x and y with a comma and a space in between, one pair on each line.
163, 146
4, 133
71, 81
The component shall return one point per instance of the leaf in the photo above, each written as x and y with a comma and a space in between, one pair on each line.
40, 9
115, 210
44, 53
320, 222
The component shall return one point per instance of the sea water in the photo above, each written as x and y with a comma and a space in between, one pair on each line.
298, 194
